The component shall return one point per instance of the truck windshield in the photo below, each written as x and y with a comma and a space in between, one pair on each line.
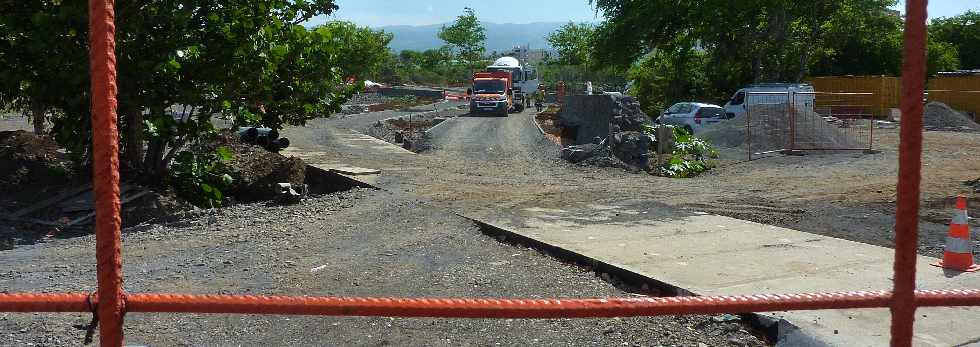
488, 86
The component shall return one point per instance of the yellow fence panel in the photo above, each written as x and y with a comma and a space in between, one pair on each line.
885, 91
962, 93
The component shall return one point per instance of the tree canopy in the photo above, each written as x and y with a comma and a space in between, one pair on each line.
573, 43
961, 32
466, 36
181, 62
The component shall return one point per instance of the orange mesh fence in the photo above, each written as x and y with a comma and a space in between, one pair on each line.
111, 302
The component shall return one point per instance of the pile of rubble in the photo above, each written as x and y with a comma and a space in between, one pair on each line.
626, 145
27, 159
939, 116
257, 173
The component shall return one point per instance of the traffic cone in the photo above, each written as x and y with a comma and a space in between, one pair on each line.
959, 247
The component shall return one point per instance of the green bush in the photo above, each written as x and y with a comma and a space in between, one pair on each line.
689, 157
200, 176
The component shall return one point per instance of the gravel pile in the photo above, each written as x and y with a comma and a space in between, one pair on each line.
939, 116
256, 171
27, 159
770, 133
356, 243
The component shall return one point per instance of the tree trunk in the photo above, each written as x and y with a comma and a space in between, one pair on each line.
134, 138
37, 117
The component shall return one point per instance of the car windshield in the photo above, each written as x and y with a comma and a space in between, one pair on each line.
488, 86
679, 108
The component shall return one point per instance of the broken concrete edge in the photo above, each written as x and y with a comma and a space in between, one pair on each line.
534, 121
323, 181
780, 331
448, 120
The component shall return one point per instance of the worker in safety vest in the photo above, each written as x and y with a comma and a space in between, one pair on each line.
539, 96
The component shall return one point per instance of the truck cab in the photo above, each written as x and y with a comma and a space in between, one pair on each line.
491, 93
524, 79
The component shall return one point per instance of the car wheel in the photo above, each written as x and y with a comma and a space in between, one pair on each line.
690, 131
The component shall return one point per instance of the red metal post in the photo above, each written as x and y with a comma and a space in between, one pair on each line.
909, 174
105, 166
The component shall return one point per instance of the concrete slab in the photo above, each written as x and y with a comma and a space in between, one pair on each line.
715, 255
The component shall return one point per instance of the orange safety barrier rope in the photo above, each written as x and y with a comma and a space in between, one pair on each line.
105, 167
903, 301
909, 173
28, 302
486, 308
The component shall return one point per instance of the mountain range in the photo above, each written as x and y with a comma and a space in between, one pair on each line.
500, 37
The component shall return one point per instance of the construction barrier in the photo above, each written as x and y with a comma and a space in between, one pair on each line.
110, 302
962, 92
793, 121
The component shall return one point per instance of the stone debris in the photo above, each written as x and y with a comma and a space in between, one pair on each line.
939, 116
626, 146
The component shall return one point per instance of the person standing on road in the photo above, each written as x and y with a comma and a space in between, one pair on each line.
539, 96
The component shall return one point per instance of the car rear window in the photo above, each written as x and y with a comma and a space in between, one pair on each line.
711, 112
680, 108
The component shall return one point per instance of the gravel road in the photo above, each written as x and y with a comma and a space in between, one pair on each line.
356, 243
401, 242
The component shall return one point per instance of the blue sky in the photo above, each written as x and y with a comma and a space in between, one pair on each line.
420, 12
946, 8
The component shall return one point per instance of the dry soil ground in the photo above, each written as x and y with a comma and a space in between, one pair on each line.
402, 243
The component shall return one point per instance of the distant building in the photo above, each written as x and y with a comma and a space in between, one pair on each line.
527, 55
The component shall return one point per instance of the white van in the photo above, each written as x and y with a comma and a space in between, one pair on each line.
770, 95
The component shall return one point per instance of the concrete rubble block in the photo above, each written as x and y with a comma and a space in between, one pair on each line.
632, 147
601, 115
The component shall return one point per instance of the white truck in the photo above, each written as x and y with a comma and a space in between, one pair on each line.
524, 81
770, 96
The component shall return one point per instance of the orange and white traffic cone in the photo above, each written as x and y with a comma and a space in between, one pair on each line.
959, 247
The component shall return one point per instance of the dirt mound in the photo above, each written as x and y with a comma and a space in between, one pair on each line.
256, 171
729, 133
940, 116
27, 159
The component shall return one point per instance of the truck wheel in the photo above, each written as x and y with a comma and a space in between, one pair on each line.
519, 108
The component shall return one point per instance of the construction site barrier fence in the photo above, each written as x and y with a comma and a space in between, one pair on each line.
962, 93
794, 121
110, 302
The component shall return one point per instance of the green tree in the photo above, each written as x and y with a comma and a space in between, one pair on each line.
179, 63
40, 43
861, 43
363, 49
962, 32
573, 43
466, 36
735, 42
941, 56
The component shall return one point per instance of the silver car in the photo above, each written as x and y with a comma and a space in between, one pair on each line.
692, 116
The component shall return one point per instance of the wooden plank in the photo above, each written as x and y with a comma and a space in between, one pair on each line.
51, 201
82, 219
89, 204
